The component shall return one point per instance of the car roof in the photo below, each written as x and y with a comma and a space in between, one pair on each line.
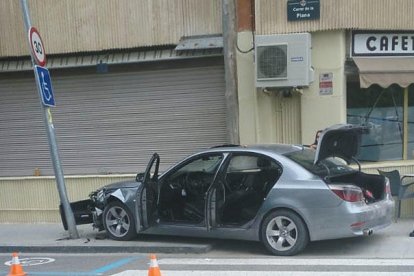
259, 148
271, 150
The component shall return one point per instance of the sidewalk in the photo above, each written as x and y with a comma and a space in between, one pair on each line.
52, 238
392, 242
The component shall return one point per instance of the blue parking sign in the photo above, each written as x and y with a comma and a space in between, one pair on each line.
45, 86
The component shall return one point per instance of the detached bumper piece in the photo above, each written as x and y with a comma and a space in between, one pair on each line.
81, 211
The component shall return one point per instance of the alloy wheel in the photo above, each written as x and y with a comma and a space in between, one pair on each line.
117, 221
281, 233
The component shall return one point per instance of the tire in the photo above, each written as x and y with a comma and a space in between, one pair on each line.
119, 222
284, 233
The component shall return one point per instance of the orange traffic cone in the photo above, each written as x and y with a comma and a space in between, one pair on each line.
154, 270
16, 268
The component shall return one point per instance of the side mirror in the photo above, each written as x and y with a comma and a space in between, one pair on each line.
139, 177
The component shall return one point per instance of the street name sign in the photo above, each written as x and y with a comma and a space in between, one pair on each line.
303, 10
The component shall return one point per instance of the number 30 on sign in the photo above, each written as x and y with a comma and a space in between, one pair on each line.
36, 45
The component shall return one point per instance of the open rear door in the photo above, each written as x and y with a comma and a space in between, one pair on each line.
215, 198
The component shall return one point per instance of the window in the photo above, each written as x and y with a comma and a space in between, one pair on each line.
208, 163
197, 174
254, 173
248, 180
389, 115
182, 194
327, 167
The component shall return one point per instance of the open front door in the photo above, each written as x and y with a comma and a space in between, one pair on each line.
148, 192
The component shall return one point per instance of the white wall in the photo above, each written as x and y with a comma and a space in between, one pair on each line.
265, 117
246, 90
321, 111
272, 118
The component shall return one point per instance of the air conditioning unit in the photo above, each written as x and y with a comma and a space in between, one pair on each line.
283, 60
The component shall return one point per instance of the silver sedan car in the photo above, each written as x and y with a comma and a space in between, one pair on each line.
281, 195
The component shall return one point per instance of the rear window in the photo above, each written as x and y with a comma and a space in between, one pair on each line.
327, 167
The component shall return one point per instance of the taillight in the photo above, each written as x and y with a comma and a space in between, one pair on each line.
348, 192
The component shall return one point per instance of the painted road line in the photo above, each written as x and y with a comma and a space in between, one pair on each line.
261, 273
280, 266
287, 261
114, 265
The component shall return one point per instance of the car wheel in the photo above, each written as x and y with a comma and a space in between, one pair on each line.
284, 233
119, 222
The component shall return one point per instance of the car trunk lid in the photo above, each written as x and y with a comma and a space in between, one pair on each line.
342, 140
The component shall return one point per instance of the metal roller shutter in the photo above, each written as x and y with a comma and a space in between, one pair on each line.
113, 122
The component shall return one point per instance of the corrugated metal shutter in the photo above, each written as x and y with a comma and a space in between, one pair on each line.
113, 122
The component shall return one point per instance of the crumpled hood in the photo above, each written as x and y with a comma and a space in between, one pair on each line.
123, 190
122, 184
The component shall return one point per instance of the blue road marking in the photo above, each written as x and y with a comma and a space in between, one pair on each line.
114, 265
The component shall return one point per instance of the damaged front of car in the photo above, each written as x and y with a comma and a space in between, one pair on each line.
121, 208
91, 211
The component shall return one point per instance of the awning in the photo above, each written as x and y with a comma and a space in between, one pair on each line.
106, 57
200, 42
385, 71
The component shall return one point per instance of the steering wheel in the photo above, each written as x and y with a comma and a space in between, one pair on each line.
194, 184
178, 183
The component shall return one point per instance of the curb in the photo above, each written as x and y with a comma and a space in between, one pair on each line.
191, 249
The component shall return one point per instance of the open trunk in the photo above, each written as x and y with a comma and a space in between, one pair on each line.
372, 185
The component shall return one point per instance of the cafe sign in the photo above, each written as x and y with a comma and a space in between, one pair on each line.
303, 9
379, 43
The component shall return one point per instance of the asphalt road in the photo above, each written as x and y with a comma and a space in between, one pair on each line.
201, 264
388, 252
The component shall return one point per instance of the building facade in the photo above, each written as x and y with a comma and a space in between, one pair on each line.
139, 77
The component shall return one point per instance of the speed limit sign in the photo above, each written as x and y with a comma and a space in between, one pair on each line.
37, 47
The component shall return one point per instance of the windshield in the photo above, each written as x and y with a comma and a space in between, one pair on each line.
326, 167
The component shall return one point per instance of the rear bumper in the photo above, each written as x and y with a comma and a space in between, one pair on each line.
351, 219
374, 216
81, 211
